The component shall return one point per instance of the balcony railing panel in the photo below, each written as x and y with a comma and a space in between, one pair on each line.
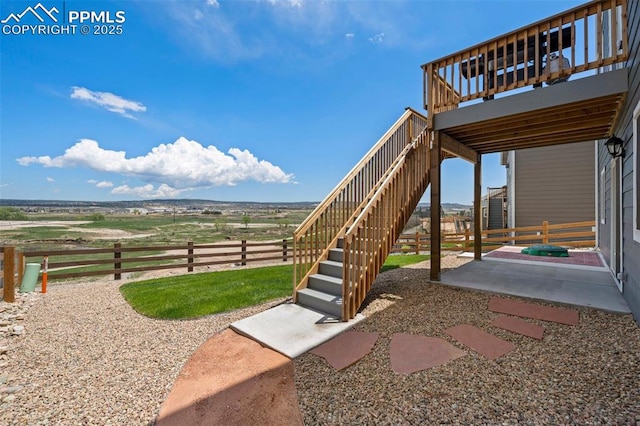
584, 39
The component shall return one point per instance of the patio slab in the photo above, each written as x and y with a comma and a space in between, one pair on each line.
292, 329
548, 282
531, 310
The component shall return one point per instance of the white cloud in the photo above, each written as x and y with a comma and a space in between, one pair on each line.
148, 191
178, 166
104, 184
198, 15
291, 3
109, 101
50, 179
212, 3
349, 35
377, 38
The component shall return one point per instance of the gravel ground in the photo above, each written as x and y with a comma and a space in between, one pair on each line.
587, 374
86, 357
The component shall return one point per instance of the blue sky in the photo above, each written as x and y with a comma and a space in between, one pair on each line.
225, 100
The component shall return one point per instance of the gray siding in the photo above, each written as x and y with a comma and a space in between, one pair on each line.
630, 248
555, 184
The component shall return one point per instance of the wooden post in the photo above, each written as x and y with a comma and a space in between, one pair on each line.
466, 239
284, 250
9, 274
417, 243
477, 208
117, 254
190, 256
244, 252
545, 232
436, 158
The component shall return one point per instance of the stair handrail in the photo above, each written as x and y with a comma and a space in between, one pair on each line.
384, 184
362, 263
320, 231
361, 164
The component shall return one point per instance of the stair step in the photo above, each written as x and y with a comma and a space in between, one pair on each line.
323, 302
336, 255
331, 268
326, 284
340, 243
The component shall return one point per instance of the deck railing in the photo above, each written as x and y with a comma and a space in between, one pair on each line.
586, 38
371, 237
320, 231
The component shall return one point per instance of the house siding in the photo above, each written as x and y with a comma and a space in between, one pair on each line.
555, 184
624, 130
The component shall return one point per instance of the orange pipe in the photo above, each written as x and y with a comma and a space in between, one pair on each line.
44, 274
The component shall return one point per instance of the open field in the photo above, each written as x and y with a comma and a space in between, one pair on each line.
59, 230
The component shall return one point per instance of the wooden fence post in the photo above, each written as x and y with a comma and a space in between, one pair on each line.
9, 276
466, 240
117, 254
545, 232
284, 250
190, 256
417, 243
244, 252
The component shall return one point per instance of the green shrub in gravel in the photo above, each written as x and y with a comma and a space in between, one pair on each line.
197, 295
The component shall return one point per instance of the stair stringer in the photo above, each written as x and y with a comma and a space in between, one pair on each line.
368, 242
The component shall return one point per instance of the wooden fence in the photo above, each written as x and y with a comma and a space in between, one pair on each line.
118, 260
575, 234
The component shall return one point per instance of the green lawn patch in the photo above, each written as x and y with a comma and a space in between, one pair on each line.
398, 261
196, 295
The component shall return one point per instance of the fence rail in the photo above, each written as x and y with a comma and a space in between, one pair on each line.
573, 235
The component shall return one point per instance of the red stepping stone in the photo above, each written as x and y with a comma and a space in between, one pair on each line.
410, 353
519, 326
346, 349
530, 310
487, 345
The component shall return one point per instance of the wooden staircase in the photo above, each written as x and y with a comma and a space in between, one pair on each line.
340, 248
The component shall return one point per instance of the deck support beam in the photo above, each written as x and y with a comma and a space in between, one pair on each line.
452, 146
436, 160
477, 208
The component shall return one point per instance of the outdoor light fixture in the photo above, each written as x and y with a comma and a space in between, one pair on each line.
615, 146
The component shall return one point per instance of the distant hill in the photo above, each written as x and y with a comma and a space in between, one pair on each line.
151, 203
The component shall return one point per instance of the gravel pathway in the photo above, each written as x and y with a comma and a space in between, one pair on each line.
585, 374
86, 357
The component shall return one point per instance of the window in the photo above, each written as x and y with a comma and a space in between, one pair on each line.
636, 173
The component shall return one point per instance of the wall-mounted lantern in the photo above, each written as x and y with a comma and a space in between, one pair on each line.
615, 146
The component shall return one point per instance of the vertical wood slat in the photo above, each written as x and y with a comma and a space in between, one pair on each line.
598, 35
613, 29
117, 254
9, 276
